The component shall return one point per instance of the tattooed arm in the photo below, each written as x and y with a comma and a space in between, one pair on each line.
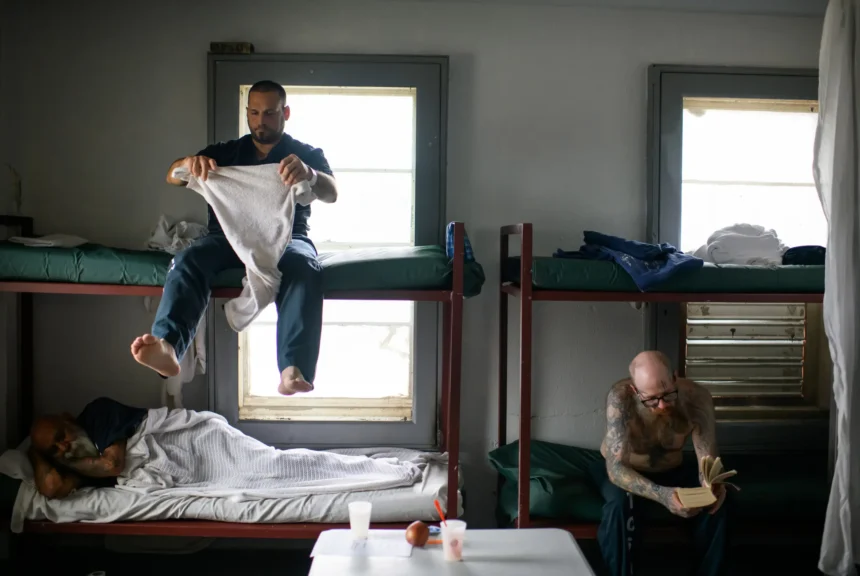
704, 426
51, 482
617, 468
109, 464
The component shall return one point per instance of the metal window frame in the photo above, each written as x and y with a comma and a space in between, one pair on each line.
429, 74
667, 85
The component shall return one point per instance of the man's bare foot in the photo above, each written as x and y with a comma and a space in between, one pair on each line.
292, 381
155, 353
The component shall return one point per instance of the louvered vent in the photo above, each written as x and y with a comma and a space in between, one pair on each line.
747, 354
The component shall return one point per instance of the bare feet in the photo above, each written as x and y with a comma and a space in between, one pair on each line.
156, 354
292, 381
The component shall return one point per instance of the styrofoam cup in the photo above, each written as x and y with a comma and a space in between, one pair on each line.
359, 519
453, 536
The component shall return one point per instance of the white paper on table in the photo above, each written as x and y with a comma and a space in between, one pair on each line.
386, 543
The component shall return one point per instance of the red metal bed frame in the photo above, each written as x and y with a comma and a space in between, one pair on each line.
527, 294
452, 326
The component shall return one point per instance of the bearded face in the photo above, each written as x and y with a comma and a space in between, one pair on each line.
81, 447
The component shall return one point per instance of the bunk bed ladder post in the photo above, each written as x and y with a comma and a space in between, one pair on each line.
502, 415
455, 341
446, 372
523, 520
26, 402
503, 345
26, 342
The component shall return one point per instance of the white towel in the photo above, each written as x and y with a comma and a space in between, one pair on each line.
255, 209
745, 244
50, 241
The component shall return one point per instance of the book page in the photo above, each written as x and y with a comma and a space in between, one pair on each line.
722, 477
695, 497
714, 470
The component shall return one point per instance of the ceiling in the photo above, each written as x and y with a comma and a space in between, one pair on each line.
771, 7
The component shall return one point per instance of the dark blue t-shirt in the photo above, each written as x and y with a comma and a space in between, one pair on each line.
242, 152
107, 421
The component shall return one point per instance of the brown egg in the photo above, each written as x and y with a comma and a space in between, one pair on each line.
417, 534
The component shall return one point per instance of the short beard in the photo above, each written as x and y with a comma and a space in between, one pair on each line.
650, 416
81, 447
270, 136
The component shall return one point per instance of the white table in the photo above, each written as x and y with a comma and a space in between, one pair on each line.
511, 552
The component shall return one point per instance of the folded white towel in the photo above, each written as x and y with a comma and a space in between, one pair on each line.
50, 240
255, 209
745, 244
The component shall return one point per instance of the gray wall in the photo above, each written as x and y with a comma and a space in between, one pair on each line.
547, 124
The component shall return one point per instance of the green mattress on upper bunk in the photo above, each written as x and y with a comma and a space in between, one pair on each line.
399, 268
549, 273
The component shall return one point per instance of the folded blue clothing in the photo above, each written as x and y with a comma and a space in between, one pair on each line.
469, 255
647, 264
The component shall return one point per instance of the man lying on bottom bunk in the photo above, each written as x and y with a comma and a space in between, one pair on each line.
67, 453
187, 453
649, 417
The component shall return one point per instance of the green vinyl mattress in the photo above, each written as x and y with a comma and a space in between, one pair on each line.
550, 273
561, 488
400, 268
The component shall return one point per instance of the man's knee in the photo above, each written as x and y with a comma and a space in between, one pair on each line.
617, 501
298, 265
196, 259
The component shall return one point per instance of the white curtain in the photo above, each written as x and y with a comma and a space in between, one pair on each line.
837, 166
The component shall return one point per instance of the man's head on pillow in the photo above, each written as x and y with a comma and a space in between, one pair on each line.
60, 438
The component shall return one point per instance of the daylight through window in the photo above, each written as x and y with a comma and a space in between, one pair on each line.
365, 368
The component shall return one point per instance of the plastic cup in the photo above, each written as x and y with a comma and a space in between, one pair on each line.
453, 536
359, 519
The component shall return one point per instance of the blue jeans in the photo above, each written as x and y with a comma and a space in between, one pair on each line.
299, 300
620, 528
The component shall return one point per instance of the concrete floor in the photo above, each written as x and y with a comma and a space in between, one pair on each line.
38, 555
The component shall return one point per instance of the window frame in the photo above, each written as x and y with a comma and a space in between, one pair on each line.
429, 74
664, 324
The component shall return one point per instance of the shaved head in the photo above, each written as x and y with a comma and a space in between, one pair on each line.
59, 436
44, 432
651, 373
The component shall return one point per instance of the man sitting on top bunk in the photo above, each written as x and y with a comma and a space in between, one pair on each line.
67, 452
649, 417
300, 296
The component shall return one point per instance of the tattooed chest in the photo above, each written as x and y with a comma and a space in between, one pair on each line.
655, 447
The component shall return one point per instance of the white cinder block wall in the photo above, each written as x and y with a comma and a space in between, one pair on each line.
547, 124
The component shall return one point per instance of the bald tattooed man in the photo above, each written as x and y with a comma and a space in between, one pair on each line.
649, 417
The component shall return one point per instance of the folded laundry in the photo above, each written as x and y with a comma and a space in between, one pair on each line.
50, 241
175, 237
744, 244
647, 264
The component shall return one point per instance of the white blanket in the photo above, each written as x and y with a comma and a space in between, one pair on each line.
746, 244
255, 209
102, 505
184, 452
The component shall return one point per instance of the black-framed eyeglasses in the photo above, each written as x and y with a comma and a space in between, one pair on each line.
668, 398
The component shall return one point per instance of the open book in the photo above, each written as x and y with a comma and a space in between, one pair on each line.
712, 474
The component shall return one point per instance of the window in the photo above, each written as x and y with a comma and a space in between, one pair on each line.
368, 136
733, 148
379, 121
